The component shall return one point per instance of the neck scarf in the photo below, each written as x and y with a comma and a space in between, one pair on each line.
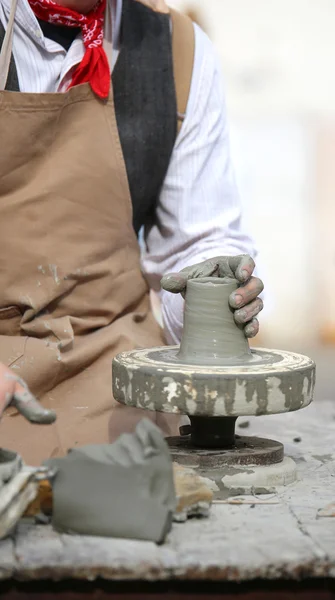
94, 67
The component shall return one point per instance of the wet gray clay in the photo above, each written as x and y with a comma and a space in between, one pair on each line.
123, 490
26, 404
210, 334
32, 410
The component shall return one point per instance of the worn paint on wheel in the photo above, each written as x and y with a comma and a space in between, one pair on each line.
275, 381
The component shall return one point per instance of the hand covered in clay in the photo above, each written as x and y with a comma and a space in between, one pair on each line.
244, 300
14, 392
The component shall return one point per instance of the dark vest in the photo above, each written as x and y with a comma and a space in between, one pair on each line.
145, 103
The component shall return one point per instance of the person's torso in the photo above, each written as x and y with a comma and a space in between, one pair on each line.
143, 86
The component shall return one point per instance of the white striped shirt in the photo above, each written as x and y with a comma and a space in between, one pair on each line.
198, 214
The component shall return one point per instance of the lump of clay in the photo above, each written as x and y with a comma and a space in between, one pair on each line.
122, 490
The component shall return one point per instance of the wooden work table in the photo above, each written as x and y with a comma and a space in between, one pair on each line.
283, 539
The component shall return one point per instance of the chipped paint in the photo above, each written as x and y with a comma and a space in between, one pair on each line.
170, 388
274, 393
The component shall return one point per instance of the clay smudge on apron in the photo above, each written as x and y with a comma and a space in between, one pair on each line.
53, 271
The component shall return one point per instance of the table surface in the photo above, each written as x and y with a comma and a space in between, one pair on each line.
283, 539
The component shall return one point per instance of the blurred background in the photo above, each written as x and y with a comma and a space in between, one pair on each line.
278, 65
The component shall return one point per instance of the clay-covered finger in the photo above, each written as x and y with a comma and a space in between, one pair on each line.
30, 408
242, 266
246, 293
207, 268
252, 328
8, 383
17, 394
174, 282
246, 314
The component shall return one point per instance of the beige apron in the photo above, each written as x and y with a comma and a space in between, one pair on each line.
72, 294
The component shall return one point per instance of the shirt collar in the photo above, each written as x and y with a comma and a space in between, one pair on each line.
26, 18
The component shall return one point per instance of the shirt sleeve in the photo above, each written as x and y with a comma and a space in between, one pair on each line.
198, 215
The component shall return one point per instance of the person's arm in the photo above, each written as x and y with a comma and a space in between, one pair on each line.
14, 391
198, 216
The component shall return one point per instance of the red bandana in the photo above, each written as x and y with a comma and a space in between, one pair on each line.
94, 67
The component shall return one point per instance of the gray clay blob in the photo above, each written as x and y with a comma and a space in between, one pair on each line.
210, 334
122, 490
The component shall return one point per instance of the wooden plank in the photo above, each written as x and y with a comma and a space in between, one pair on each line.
190, 592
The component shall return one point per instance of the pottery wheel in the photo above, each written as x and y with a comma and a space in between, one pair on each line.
214, 377
273, 381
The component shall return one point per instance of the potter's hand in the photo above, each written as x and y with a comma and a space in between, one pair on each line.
244, 300
14, 392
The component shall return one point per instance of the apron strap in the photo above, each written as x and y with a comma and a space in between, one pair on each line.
183, 48
6, 50
107, 43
